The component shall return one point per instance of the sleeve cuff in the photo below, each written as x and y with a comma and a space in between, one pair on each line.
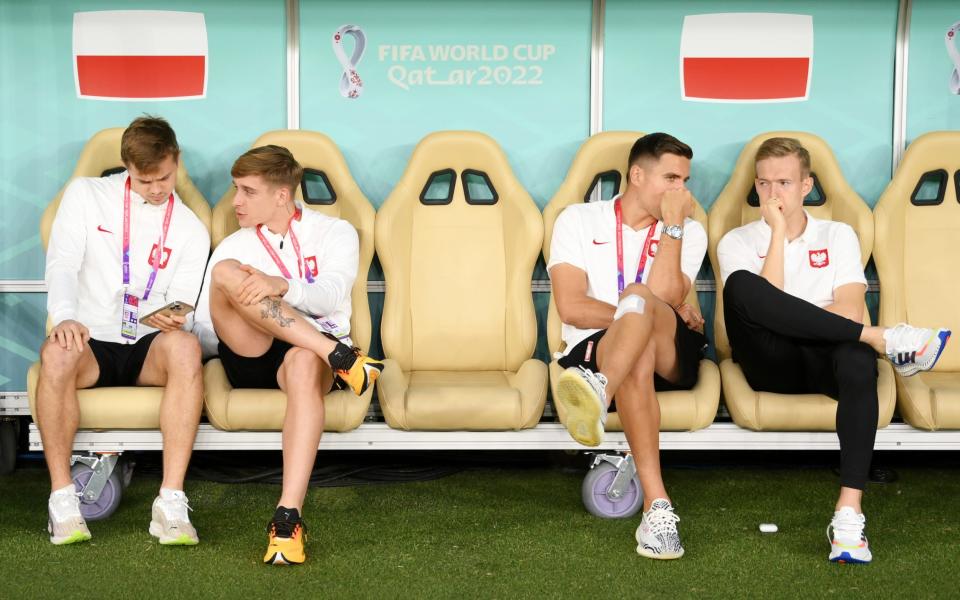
294, 295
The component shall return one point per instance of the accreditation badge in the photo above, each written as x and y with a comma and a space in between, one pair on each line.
128, 322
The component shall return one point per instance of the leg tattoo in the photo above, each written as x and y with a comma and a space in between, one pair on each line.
271, 308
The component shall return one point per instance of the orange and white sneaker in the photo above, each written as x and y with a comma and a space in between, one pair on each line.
66, 524
362, 374
848, 543
286, 538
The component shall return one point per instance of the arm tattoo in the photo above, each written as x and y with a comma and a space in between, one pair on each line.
271, 308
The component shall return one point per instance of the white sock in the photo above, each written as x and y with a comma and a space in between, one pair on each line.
168, 494
65, 490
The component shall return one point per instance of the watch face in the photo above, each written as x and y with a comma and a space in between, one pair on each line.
674, 231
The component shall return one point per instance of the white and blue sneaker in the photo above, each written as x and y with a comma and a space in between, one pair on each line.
657, 535
582, 394
848, 543
914, 349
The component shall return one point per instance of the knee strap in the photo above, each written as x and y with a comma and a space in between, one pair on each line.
629, 304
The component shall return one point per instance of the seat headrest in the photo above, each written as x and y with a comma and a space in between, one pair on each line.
327, 185
100, 157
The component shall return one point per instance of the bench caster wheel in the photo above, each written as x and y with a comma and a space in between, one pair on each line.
94, 504
611, 489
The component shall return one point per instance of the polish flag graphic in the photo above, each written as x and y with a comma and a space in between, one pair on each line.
140, 55
746, 57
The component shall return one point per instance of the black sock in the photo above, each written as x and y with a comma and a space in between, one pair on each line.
283, 513
342, 357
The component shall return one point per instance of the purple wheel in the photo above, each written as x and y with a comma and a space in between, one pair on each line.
600, 504
102, 507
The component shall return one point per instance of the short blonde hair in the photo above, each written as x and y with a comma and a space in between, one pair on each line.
778, 147
275, 164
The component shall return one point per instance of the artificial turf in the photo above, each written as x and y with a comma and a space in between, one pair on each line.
498, 531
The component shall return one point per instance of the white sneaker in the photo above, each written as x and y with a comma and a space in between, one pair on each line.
171, 523
914, 349
66, 524
848, 544
657, 535
582, 393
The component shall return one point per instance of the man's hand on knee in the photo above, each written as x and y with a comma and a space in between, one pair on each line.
258, 285
70, 335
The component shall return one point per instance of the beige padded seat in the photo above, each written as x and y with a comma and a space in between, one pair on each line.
254, 409
764, 411
606, 154
459, 327
919, 266
115, 407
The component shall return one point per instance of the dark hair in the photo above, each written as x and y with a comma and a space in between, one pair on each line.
655, 145
275, 164
146, 142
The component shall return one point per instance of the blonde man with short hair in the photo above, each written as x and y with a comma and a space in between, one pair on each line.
276, 308
793, 305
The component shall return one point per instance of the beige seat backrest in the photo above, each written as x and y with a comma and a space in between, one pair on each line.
458, 270
839, 202
322, 158
916, 250
102, 153
602, 156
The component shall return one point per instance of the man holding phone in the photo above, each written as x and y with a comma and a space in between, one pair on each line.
121, 247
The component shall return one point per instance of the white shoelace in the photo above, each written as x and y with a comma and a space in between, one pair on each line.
65, 506
905, 339
846, 527
351, 86
176, 509
598, 381
662, 520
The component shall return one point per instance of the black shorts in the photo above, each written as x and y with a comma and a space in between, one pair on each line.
120, 364
254, 372
690, 345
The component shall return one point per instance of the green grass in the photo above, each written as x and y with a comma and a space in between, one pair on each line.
500, 533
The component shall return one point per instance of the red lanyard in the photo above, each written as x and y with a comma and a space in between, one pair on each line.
296, 248
643, 253
156, 259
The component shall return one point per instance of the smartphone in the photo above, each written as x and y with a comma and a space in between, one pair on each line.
175, 308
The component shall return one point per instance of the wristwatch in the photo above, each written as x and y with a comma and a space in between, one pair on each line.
674, 231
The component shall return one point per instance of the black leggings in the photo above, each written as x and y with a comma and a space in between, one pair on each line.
786, 345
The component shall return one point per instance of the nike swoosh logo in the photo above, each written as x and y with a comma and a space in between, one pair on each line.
761, 255
100, 228
596, 243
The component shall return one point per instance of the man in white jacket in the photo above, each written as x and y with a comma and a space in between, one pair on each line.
275, 306
121, 247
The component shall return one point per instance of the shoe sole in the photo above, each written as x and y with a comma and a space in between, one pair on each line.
658, 556
279, 559
73, 538
582, 407
845, 559
182, 540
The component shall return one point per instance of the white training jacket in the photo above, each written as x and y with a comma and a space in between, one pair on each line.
84, 264
330, 246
